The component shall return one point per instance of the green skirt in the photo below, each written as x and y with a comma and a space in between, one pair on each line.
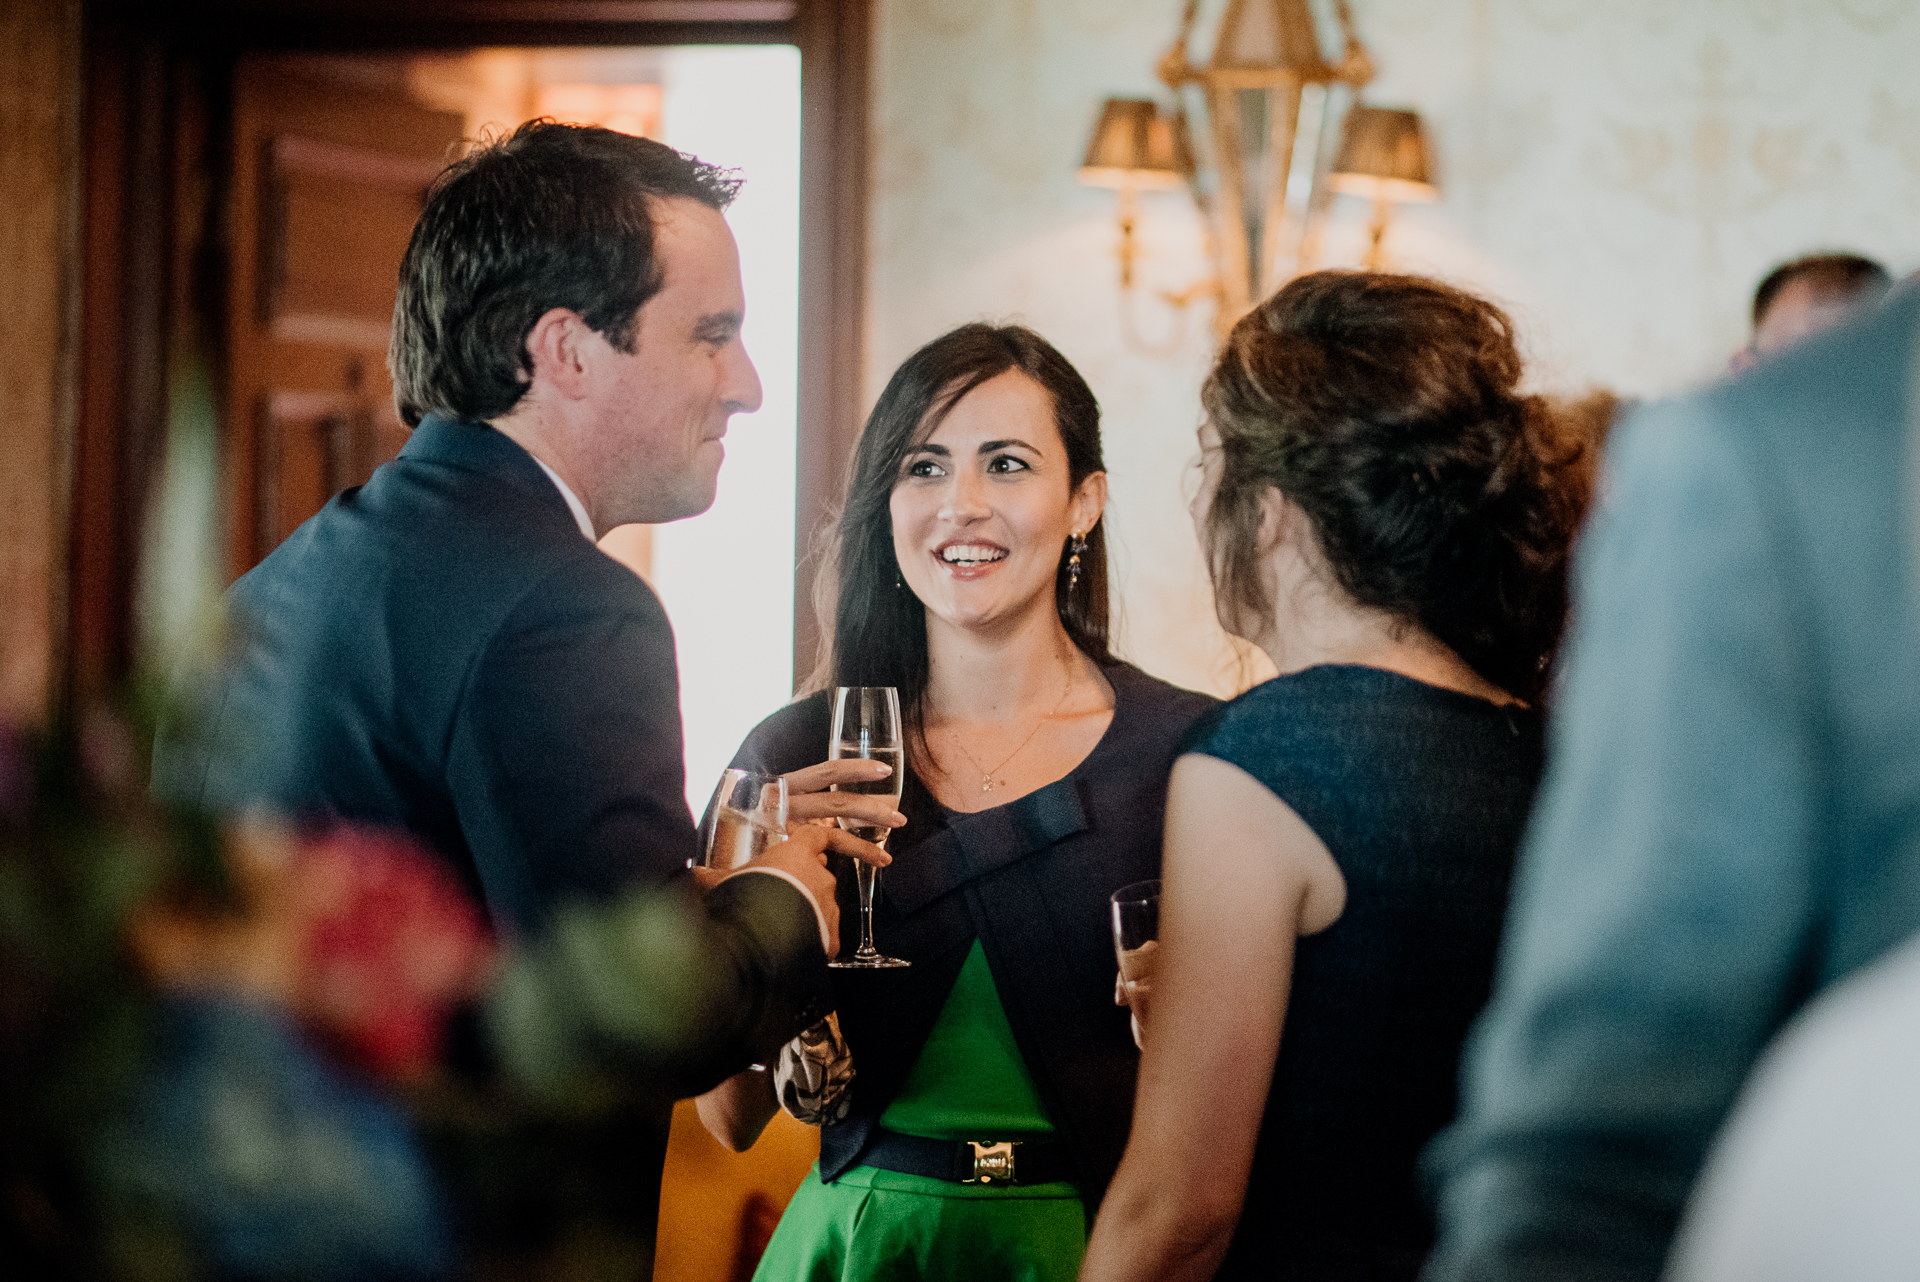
872, 1225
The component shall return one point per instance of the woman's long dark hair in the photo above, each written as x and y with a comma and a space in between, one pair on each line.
1386, 407
876, 627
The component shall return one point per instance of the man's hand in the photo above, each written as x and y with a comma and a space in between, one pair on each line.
808, 800
804, 855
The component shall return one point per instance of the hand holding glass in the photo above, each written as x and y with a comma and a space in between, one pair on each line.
866, 723
749, 816
1136, 936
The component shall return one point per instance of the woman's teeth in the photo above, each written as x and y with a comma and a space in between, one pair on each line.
970, 554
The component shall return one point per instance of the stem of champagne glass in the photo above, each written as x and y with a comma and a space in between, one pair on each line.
865, 875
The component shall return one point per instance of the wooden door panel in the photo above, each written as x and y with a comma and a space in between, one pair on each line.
312, 445
328, 180
336, 225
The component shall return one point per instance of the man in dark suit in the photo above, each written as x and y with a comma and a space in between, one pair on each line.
445, 650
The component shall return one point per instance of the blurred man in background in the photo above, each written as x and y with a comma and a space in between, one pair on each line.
1804, 297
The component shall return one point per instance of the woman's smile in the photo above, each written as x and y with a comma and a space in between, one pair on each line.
969, 558
984, 506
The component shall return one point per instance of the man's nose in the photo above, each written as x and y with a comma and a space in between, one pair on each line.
739, 381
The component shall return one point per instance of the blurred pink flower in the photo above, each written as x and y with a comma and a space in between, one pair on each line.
392, 944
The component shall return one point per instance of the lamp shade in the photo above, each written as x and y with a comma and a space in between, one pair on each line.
1135, 145
1384, 156
1270, 35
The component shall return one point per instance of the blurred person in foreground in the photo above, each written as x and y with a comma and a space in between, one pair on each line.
1731, 819
1805, 297
1388, 518
445, 651
1814, 1177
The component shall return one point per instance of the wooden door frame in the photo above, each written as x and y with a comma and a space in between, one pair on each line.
835, 38
172, 133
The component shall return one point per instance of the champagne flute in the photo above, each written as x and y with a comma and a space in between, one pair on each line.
1136, 927
866, 723
749, 815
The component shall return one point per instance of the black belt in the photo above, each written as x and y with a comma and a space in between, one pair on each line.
969, 1161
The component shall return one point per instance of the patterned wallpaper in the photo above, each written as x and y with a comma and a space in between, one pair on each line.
1620, 175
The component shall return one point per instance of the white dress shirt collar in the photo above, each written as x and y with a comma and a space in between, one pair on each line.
574, 504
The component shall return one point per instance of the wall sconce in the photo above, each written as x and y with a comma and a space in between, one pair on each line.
1135, 148
1264, 98
1263, 95
1383, 157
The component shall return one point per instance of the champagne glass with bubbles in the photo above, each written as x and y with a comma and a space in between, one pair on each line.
866, 723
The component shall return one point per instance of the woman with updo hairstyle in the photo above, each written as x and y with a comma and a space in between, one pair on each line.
1388, 518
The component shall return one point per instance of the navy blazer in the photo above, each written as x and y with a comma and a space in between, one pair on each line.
441, 651
1030, 880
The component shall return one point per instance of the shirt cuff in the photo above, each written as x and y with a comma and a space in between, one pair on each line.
826, 939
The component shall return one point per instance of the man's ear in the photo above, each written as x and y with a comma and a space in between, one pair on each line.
558, 346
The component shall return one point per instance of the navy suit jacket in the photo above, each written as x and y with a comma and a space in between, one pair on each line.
441, 651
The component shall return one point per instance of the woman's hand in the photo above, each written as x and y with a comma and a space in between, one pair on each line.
1135, 993
808, 800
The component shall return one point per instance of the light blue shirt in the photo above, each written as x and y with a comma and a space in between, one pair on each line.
1731, 816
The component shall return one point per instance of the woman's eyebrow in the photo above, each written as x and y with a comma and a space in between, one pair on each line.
928, 447
1011, 441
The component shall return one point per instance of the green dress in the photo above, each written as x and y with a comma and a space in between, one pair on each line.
872, 1225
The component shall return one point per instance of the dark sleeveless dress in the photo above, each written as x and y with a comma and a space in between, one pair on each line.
1421, 795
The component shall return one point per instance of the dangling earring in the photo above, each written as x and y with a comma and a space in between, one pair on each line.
1078, 546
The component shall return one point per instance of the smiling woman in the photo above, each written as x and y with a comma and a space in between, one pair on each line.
971, 575
986, 439
984, 504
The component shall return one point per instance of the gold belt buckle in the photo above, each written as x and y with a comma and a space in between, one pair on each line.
992, 1163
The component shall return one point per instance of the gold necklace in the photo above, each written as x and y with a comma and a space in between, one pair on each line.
986, 776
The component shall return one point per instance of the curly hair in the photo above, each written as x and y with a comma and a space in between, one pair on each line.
1385, 407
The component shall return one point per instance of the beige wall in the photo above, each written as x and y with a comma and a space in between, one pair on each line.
38, 159
1621, 174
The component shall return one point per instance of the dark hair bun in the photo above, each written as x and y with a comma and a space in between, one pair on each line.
1387, 408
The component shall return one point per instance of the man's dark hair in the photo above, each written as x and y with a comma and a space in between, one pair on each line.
551, 216
1830, 275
